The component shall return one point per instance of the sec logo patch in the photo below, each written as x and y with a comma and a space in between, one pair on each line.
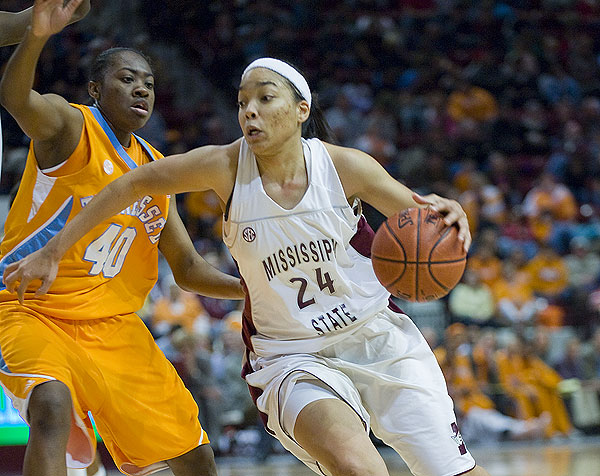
249, 234
108, 167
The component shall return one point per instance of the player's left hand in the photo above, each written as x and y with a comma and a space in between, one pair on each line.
51, 16
453, 213
40, 265
82, 10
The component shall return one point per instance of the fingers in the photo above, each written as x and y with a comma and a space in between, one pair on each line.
19, 276
71, 6
435, 202
464, 233
421, 200
43, 289
453, 214
21, 290
456, 215
10, 277
15, 281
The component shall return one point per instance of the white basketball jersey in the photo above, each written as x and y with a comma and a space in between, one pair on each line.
307, 283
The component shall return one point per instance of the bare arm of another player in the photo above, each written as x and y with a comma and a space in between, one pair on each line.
190, 270
45, 118
204, 168
13, 25
363, 177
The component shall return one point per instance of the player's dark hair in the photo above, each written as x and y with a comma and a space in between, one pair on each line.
316, 125
105, 59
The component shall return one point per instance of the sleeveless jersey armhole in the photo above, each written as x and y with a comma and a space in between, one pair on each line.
228, 204
75, 162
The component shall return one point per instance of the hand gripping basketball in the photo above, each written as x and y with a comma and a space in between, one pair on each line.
417, 256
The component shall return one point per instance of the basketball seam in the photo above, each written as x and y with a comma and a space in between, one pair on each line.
393, 235
444, 234
392, 260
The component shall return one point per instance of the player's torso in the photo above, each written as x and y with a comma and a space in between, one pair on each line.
113, 267
308, 282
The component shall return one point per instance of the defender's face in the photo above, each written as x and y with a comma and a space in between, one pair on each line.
126, 94
267, 111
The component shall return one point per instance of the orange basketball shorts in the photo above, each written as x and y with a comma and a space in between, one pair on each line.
114, 370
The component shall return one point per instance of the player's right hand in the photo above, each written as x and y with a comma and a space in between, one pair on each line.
453, 213
51, 16
38, 265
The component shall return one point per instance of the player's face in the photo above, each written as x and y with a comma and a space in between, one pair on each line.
126, 94
267, 111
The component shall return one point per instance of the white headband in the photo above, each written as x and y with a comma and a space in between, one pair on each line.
285, 70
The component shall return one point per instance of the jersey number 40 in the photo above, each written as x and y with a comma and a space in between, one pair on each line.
109, 250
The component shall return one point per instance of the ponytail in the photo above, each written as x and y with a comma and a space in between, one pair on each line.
316, 125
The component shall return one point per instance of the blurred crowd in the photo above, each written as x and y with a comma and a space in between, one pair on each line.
493, 102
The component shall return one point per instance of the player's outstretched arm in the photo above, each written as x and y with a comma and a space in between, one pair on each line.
363, 177
13, 25
42, 117
200, 169
190, 270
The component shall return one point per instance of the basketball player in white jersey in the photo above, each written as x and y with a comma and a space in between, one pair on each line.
328, 357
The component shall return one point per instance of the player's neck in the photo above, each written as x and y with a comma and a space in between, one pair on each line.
124, 137
283, 164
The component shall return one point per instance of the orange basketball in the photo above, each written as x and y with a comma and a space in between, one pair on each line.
416, 256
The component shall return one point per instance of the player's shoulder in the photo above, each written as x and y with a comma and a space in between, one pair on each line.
219, 162
345, 157
232, 150
216, 153
60, 104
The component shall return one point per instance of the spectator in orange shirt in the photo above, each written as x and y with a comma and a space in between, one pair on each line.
543, 227
550, 195
178, 307
549, 273
469, 102
456, 366
515, 300
486, 371
478, 415
483, 202
486, 264
203, 212
466, 176
533, 384
551, 209
470, 202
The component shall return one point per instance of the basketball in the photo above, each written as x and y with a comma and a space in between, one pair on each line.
416, 256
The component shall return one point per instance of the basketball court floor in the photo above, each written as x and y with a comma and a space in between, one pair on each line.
573, 458
560, 458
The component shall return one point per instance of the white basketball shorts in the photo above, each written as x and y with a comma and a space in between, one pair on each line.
387, 373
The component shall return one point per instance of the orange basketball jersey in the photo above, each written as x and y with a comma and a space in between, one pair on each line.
112, 268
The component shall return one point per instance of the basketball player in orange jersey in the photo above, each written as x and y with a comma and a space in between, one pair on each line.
328, 357
12, 30
81, 348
